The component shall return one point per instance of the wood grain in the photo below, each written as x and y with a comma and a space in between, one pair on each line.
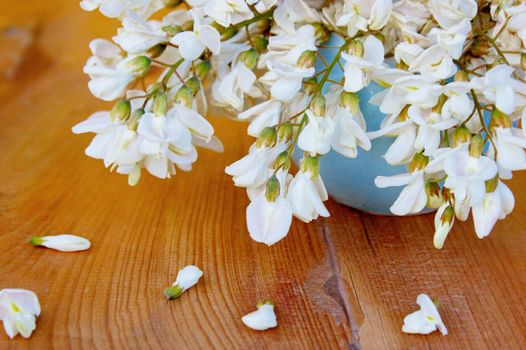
340, 283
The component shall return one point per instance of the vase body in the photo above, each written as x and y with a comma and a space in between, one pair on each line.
350, 181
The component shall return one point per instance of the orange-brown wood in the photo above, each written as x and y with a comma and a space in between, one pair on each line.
339, 283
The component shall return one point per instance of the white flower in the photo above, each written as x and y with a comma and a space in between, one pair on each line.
263, 318
364, 15
19, 309
265, 114
316, 136
357, 69
192, 43
409, 16
117, 8
444, 220
284, 80
286, 48
402, 149
263, 5
186, 278
230, 89
64, 243
306, 195
451, 12
510, 143
413, 197
452, 39
268, 222
425, 320
290, 12
466, 176
349, 133
227, 12
137, 35
495, 206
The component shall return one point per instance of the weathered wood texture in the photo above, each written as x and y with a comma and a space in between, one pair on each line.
344, 282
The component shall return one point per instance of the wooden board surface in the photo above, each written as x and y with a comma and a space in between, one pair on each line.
343, 282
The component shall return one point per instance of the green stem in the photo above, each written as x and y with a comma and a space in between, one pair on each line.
481, 118
264, 15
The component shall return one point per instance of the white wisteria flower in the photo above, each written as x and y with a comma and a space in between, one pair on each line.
186, 279
358, 67
268, 221
191, 44
64, 243
495, 206
364, 15
226, 12
426, 320
263, 318
117, 8
19, 309
306, 194
317, 134
138, 35
444, 220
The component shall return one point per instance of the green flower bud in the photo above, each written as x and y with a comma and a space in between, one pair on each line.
310, 85
461, 135
172, 3
317, 105
523, 61
173, 292
282, 161
121, 110
418, 162
350, 101
476, 146
36, 241
172, 30
184, 96
157, 50
160, 104
311, 164
228, 33
306, 59
202, 69
285, 132
321, 33
273, 189
491, 184
461, 75
133, 122
259, 43
154, 89
194, 84
499, 120
140, 65
267, 137
434, 196
249, 58
356, 48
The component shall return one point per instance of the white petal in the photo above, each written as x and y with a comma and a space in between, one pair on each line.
188, 277
261, 319
66, 243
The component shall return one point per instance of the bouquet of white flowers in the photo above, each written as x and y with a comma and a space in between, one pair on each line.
455, 91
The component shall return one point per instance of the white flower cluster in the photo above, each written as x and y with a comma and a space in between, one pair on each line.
454, 98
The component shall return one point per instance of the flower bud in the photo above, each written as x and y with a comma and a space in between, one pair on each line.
184, 96
133, 121
523, 61
476, 146
491, 184
310, 85
172, 30
172, 3
267, 137
282, 161
228, 33
173, 292
434, 196
317, 105
121, 110
249, 58
160, 104
194, 84
154, 89
448, 216
157, 50
285, 132
499, 120
273, 189
438, 107
461, 75
259, 43
356, 48
140, 65
321, 33
311, 164
350, 101
306, 59
418, 162
202, 69
461, 135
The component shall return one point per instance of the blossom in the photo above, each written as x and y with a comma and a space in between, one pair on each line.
290, 12
356, 69
137, 35
495, 206
117, 8
263, 318
64, 243
186, 279
285, 80
268, 221
349, 133
286, 48
316, 136
226, 12
230, 89
444, 220
262, 115
510, 143
412, 198
363, 15
192, 43
426, 320
451, 12
19, 309
306, 194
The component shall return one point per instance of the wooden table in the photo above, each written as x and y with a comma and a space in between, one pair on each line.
339, 283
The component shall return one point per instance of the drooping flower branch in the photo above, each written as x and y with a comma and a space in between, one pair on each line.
455, 89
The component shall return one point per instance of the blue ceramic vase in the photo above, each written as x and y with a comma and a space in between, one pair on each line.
350, 181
